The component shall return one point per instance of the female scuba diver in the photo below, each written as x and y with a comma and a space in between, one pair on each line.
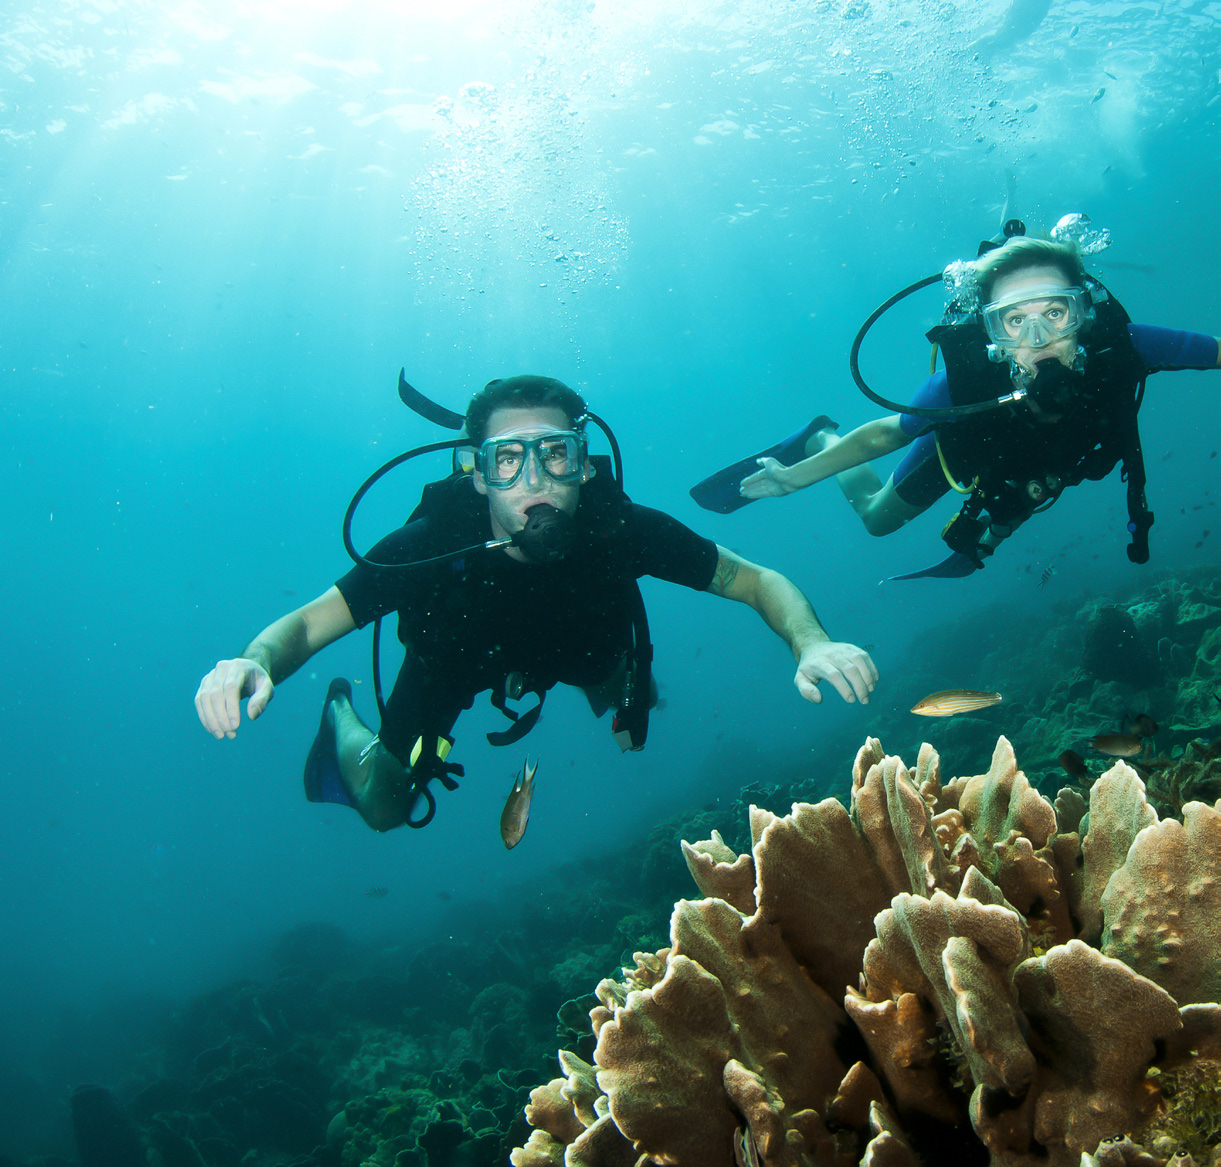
1043, 378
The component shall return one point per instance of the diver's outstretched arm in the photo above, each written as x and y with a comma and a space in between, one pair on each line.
863, 444
789, 614
277, 652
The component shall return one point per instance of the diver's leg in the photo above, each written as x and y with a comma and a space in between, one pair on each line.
860, 485
372, 775
885, 507
885, 511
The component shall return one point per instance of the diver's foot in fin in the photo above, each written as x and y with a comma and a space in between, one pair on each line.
323, 779
719, 492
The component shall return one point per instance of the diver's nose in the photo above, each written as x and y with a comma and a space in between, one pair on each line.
532, 471
1037, 333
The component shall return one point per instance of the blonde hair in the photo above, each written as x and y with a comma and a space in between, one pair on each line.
1019, 253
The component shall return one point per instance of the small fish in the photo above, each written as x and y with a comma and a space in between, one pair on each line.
1073, 764
947, 702
1139, 725
1111, 75
1048, 572
1099, 95
1117, 745
516, 813
377, 893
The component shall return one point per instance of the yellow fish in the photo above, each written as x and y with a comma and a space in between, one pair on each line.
516, 814
950, 701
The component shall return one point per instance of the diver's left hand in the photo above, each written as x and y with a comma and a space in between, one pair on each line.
849, 669
769, 481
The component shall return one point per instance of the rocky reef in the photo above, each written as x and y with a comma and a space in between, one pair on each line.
1076, 667
956, 972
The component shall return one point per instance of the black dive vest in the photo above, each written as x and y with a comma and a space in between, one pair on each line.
454, 507
1002, 450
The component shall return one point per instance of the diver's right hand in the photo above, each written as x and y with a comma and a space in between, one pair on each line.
769, 481
219, 699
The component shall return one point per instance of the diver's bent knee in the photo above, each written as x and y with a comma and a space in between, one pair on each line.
884, 526
382, 819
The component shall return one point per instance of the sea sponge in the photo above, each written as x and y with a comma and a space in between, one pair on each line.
954, 923
719, 872
1162, 908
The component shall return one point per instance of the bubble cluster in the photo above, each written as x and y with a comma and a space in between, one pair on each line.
962, 288
1077, 231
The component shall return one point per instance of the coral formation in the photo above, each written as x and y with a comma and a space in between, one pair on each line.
937, 960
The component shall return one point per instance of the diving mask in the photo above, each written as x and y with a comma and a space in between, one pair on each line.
1042, 316
559, 454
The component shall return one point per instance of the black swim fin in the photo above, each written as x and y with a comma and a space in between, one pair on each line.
322, 778
719, 492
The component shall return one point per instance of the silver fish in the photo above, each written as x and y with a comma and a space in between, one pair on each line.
516, 814
947, 702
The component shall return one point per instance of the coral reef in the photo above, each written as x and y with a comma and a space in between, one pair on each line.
950, 972
421, 1050
1077, 668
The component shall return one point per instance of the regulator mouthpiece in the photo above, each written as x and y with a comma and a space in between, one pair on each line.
548, 534
1054, 387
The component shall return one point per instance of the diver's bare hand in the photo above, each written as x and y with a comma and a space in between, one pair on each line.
219, 700
769, 481
849, 669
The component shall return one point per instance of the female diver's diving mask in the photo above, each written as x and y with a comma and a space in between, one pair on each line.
1042, 316
559, 454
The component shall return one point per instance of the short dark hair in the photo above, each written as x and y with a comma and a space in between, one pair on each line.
525, 391
1022, 252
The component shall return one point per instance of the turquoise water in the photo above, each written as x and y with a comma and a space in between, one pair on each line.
225, 227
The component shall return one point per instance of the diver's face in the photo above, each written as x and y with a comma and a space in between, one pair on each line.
507, 506
1010, 289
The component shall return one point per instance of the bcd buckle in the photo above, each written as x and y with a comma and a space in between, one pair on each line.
427, 761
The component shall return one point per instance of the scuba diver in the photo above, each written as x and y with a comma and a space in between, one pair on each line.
1044, 375
516, 573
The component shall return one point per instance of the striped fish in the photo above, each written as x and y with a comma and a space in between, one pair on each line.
950, 701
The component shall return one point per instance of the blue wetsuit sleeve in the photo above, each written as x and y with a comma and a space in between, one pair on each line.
933, 394
1169, 348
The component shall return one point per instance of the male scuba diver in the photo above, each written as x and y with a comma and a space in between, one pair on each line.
542, 592
1044, 375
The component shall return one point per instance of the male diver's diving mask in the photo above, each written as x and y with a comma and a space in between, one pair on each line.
1042, 316
559, 454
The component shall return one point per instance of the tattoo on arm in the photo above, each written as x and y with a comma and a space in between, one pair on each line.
724, 576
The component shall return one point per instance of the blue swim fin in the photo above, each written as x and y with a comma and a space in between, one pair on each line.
322, 779
719, 492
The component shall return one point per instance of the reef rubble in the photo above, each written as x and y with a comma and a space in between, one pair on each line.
953, 972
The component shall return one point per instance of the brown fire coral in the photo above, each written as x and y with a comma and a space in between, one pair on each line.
867, 983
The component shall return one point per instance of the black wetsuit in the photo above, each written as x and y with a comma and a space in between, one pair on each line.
467, 623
